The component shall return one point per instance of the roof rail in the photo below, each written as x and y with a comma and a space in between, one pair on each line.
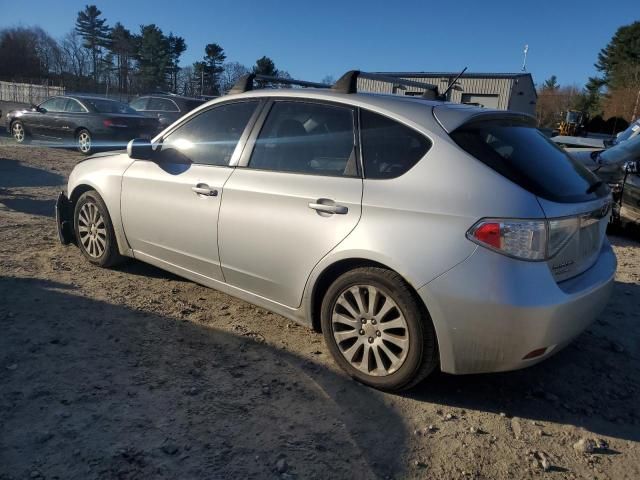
245, 83
348, 83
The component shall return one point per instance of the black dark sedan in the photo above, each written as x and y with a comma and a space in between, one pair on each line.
166, 108
87, 122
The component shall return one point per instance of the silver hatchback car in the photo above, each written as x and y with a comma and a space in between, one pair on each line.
415, 234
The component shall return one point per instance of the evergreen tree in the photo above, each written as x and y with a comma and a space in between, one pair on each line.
95, 33
153, 57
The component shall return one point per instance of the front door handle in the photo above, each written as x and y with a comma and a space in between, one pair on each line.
329, 207
203, 189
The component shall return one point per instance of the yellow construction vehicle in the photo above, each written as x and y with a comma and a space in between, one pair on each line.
573, 123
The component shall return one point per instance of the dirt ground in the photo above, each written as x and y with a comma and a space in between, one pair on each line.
134, 373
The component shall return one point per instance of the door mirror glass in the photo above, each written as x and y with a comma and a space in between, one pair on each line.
140, 149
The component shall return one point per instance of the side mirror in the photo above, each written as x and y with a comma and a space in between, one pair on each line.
139, 149
632, 166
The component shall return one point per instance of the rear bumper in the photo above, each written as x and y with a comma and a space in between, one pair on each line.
490, 311
64, 219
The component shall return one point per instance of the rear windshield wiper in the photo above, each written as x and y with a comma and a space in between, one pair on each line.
595, 186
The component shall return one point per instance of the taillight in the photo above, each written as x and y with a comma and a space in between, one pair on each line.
532, 240
112, 123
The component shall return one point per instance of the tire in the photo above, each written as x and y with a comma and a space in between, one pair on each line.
96, 240
84, 142
19, 133
400, 355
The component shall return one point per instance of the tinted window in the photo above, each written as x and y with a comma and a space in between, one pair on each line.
526, 157
389, 148
161, 105
54, 104
210, 137
73, 106
108, 106
308, 138
139, 103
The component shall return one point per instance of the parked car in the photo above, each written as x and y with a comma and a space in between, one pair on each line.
414, 234
166, 108
88, 122
617, 166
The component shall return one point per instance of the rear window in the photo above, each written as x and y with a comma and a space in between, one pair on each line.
109, 106
526, 157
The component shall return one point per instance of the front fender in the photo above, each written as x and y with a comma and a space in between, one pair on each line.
103, 173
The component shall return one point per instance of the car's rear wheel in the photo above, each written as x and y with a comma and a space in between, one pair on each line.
94, 231
84, 140
18, 132
377, 330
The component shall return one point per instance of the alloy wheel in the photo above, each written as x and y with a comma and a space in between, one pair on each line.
92, 230
18, 132
84, 142
370, 330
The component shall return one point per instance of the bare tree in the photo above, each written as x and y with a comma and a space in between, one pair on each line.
231, 72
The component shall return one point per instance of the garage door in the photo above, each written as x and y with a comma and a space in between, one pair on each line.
484, 100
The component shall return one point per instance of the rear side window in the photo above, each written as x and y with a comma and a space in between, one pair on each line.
526, 157
389, 148
161, 105
139, 103
300, 137
209, 138
73, 106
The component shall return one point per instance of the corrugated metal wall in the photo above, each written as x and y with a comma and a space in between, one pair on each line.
487, 86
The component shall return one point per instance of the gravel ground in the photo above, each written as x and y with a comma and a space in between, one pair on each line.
136, 373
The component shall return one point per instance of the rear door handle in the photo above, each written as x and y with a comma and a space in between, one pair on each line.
331, 208
203, 189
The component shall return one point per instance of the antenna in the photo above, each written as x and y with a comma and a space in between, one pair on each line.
444, 94
524, 61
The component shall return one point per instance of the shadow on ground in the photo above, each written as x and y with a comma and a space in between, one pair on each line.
593, 383
14, 174
93, 390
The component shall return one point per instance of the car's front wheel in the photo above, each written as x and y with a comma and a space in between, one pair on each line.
94, 231
18, 132
377, 330
84, 142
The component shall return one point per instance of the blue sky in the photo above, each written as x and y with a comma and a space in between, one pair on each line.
314, 39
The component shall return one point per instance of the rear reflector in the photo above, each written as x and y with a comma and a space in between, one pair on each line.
535, 353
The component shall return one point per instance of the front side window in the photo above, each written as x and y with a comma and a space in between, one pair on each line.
299, 137
54, 104
389, 148
210, 137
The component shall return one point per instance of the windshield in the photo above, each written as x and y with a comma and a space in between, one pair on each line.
528, 158
632, 131
109, 106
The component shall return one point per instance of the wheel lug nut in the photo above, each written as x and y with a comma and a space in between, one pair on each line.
370, 339
378, 333
363, 320
373, 321
361, 332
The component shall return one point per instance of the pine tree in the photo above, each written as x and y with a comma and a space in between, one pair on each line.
94, 32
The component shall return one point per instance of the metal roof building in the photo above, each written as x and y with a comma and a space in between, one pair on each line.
504, 91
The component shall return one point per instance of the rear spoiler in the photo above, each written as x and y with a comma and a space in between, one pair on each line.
451, 117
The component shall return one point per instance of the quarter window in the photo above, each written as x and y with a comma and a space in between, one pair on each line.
389, 148
308, 138
209, 138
